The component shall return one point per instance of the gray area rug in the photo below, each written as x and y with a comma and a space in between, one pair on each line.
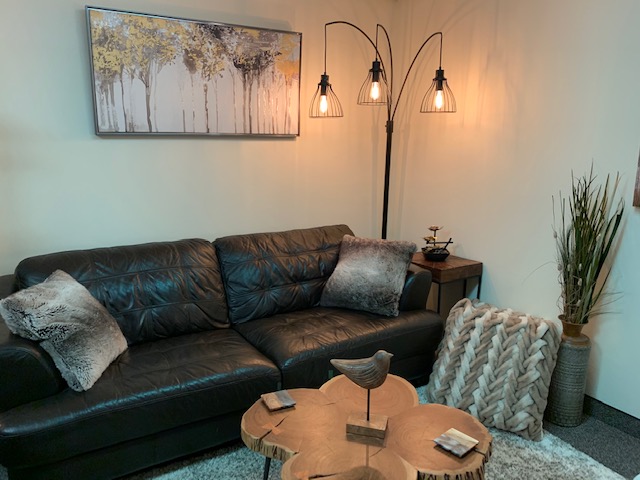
513, 458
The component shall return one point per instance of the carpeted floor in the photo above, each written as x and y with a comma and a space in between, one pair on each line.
513, 458
614, 447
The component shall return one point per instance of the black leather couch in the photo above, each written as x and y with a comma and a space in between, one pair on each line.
210, 327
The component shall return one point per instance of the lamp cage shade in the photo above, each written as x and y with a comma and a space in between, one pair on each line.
325, 103
374, 90
439, 98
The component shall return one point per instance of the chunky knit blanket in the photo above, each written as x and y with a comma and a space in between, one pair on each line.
496, 364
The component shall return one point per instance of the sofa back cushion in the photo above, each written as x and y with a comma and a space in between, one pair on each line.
269, 273
153, 290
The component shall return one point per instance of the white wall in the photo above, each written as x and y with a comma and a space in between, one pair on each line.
62, 187
542, 88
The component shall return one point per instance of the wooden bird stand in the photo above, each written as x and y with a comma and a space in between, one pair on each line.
370, 432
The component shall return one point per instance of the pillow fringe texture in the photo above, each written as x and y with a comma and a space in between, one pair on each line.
496, 364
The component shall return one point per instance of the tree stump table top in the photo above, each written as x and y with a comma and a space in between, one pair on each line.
311, 437
411, 435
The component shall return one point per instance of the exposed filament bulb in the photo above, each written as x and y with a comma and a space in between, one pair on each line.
375, 90
439, 101
324, 106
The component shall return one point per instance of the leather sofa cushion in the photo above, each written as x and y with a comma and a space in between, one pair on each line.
269, 273
152, 387
153, 290
301, 343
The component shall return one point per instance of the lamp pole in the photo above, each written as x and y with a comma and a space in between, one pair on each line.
387, 177
437, 99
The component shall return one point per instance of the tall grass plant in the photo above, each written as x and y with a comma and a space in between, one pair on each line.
585, 231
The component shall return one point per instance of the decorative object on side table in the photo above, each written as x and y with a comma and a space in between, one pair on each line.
585, 232
433, 251
368, 373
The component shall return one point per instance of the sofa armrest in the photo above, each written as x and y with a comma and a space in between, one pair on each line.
7, 285
27, 372
416, 289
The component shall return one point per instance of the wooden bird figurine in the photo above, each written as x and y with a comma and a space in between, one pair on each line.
368, 372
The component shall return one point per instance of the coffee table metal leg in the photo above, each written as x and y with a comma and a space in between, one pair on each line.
267, 466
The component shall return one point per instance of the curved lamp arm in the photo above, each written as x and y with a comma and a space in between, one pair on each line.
391, 109
411, 66
373, 44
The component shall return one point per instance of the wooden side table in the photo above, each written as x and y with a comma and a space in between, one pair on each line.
450, 270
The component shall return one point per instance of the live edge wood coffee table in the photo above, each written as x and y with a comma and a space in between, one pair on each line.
311, 437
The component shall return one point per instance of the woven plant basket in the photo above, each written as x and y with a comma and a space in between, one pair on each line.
569, 378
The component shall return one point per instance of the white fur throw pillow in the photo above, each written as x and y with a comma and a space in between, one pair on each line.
369, 276
70, 324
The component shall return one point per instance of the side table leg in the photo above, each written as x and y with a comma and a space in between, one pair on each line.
479, 287
267, 466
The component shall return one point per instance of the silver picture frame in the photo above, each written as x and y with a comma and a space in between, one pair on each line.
157, 75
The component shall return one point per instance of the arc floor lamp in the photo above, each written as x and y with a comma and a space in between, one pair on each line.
377, 90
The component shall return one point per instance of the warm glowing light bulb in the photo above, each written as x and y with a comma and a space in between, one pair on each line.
324, 106
375, 91
439, 99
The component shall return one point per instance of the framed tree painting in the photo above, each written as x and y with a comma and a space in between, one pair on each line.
154, 75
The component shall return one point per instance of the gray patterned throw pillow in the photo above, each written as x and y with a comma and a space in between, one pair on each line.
369, 276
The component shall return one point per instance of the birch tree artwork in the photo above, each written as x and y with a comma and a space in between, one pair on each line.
159, 75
